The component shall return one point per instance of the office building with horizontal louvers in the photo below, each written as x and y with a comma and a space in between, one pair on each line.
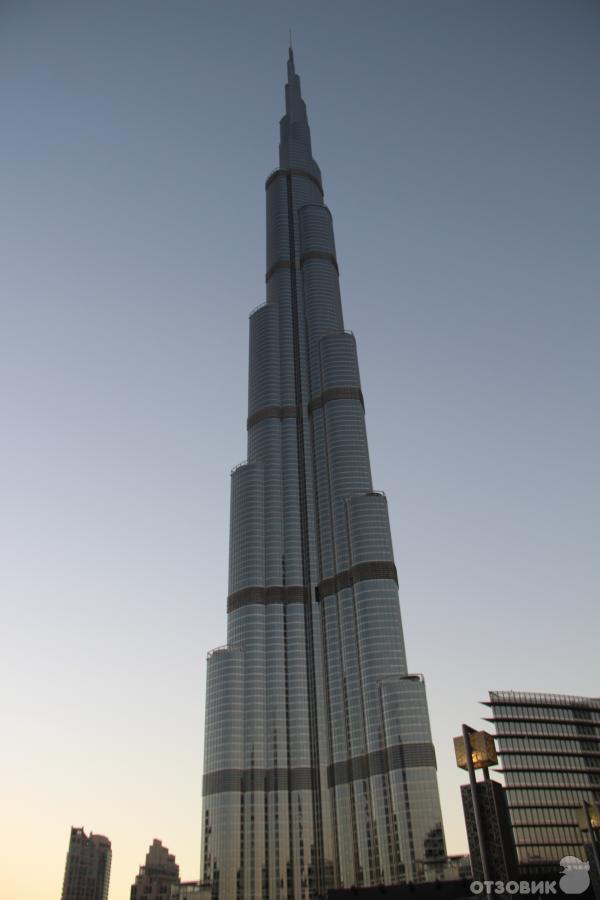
549, 748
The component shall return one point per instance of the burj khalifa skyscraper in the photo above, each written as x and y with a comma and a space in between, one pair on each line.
319, 769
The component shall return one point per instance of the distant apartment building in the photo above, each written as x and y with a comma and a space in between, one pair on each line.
157, 876
549, 748
87, 869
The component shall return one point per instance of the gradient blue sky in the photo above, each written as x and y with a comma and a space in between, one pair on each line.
459, 142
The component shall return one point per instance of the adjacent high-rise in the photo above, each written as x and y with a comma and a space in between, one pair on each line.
319, 768
549, 746
87, 870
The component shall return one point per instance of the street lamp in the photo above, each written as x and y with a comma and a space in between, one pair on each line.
476, 750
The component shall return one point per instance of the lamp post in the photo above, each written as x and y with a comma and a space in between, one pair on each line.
476, 750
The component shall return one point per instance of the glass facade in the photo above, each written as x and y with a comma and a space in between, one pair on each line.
549, 747
319, 767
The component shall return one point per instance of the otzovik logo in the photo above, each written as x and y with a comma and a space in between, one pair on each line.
574, 880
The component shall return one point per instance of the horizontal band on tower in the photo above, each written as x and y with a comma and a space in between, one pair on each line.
288, 593
280, 264
290, 412
298, 173
380, 762
267, 780
336, 393
319, 254
306, 257
272, 412
365, 571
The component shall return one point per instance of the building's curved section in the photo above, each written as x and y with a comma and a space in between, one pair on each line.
247, 528
223, 768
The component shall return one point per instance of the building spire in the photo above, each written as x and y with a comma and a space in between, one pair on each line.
294, 147
293, 80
